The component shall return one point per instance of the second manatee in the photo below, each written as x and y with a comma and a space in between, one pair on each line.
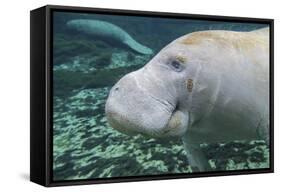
108, 31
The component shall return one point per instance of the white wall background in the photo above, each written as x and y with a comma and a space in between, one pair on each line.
14, 97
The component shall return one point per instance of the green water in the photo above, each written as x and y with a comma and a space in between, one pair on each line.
84, 70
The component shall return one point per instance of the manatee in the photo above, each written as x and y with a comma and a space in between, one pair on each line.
204, 87
107, 31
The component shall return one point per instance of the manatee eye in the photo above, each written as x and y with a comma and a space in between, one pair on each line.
176, 65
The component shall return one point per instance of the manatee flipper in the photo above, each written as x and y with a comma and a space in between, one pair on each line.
133, 44
196, 157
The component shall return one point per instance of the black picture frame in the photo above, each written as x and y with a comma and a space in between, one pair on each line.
41, 94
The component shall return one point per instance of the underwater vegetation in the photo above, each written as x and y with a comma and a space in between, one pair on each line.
84, 70
65, 48
86, 147
67, 81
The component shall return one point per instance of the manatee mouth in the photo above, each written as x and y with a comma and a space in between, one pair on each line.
173, 124
117, 121
177, 124
132, 122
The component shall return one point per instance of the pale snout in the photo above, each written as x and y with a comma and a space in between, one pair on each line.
131, 109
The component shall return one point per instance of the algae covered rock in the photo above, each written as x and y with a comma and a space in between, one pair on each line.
67, 81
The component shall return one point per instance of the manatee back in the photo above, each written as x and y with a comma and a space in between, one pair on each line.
99, 28
263, 31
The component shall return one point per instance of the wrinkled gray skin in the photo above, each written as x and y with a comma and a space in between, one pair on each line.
107, 31
205, 87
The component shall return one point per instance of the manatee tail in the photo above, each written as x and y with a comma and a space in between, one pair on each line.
138, 47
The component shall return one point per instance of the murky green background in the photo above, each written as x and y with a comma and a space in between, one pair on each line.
84, 70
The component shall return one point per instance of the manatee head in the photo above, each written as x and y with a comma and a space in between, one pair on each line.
154, 100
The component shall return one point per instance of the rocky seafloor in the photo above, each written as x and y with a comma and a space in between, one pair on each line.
86, 147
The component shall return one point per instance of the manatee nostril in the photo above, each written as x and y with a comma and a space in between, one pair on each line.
115, 89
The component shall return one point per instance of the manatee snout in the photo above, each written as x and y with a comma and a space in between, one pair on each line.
132, 109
